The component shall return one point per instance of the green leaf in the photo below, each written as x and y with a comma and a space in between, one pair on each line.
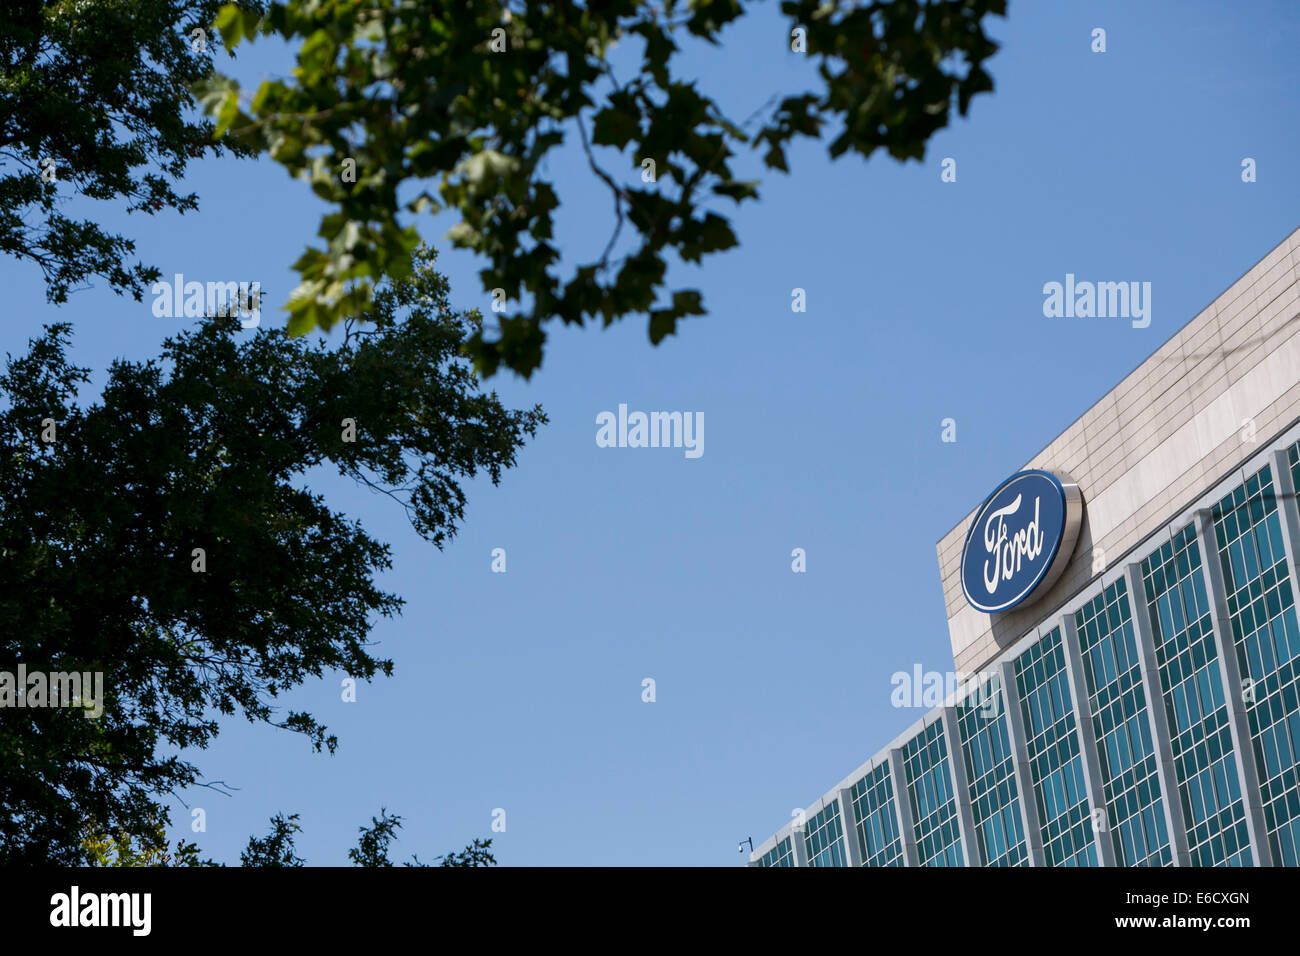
227, 113
616, 124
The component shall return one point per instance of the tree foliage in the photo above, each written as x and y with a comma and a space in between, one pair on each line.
95, 102
167, 538
372, 847
145, 849
276, 849
475, 94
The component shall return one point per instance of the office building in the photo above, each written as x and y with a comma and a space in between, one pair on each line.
1126, 601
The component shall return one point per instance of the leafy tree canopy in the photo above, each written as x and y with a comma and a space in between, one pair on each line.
275, 849
474, 94
372, 847
147, 849
95, 101
165, 538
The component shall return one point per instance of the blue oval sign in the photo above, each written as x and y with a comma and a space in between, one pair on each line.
1020, 541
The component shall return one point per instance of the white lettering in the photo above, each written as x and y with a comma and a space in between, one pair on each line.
1009, 552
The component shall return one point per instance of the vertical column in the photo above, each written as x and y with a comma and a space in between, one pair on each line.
1023, 774
903, 807
1238, 722
798, 848
1289, 513
1087, 741
1160, 734
970, 853
849, 823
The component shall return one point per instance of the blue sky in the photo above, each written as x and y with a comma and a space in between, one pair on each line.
522, 691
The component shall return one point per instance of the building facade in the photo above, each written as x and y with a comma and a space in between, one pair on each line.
1144, 708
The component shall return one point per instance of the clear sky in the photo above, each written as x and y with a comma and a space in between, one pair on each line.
523, 690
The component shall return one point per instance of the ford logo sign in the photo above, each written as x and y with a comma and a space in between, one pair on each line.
1020, 541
